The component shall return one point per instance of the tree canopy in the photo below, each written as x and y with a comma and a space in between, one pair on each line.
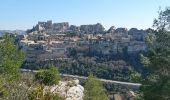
94, 89
156, 86
49, 76
11, 57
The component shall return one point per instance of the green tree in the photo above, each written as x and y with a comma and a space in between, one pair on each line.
11, 58
49, 76
94, 89
134, 76
156, 86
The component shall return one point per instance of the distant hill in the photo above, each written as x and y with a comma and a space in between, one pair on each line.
12, 31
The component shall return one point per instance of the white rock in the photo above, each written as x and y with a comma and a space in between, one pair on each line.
76, 82
70, 90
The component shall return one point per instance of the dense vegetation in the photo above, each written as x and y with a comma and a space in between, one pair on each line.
15, 85
113, 66
11, 59
83, 66
28, 86
156, 84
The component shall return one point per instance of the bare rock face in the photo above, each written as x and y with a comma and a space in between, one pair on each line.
96, 28
75, 93
70, 90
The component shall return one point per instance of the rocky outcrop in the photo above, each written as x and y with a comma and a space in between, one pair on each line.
70, 90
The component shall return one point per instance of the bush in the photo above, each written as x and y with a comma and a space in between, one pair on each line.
48, 77
38, 93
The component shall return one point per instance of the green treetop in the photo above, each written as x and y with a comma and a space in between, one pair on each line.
156, 86
49, 76
11, 58
94, 89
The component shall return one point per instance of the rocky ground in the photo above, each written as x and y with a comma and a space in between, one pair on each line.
70, 90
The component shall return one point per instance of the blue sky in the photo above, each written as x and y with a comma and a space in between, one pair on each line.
23, 14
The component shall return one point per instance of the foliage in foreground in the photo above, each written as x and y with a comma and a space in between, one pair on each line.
156, 86
16, 86
11, 58
94, 89
38, 93
48, 77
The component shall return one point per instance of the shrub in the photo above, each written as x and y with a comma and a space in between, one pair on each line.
48, 77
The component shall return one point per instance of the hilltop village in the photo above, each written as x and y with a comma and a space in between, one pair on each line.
48, 40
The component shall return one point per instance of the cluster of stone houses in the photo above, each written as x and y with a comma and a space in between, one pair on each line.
49, 40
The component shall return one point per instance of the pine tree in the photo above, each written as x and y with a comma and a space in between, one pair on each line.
11, 58
156, 86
